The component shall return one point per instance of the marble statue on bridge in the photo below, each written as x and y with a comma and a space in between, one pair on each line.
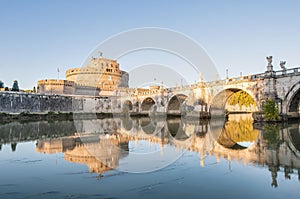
282, 65
270, 66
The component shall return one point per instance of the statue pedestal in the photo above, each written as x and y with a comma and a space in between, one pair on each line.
270, 68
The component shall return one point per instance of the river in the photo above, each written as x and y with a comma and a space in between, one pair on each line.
150, 158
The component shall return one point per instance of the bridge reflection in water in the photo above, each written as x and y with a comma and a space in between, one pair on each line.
113, 143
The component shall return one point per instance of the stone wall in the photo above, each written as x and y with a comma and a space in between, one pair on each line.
18, 102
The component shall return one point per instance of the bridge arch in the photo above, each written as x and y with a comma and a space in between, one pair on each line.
175, 104
147, 104
292, 100
127, 106
219, 101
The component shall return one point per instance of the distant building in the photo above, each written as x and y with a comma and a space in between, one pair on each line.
100, 77
65, 87
53, 86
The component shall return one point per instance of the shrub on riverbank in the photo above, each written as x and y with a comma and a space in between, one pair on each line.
270, 110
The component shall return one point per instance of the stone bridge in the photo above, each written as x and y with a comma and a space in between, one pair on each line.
209, 98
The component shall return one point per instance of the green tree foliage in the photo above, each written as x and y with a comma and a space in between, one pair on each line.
15, 86
1, 84
270, 110
241, 98
6, 89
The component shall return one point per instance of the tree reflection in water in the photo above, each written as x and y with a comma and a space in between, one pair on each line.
235, 132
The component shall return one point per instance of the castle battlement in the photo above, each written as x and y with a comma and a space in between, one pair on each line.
56, 82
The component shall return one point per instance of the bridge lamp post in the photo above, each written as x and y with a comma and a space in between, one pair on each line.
226, 73
57, 74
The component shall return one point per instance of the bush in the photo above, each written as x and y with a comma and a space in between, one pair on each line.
270, 110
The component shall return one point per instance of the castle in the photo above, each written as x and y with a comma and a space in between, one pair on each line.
101, 77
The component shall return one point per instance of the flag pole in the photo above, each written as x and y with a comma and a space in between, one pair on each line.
57, 74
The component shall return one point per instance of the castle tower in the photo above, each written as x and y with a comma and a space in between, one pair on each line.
100, 73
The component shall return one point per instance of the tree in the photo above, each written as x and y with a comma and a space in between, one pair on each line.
1, 84
15, 86
241, 98
6, 89
270, 110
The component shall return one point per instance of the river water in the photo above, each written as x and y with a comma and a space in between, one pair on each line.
150, 158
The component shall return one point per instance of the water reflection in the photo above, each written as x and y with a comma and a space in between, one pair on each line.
15, 132
115, 143
238, 133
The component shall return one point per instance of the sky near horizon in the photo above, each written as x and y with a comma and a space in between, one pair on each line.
37, 37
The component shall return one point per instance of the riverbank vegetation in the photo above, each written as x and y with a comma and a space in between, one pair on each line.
270, 110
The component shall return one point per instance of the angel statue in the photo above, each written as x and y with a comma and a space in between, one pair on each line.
282, 65
269, 58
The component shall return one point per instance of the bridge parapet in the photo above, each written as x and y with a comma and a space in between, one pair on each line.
254, 77
288, 72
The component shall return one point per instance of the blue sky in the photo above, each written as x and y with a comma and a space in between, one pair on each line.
36, 37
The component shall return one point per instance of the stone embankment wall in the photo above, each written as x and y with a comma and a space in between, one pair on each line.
18, 102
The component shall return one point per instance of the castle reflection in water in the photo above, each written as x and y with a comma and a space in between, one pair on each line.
102, 143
